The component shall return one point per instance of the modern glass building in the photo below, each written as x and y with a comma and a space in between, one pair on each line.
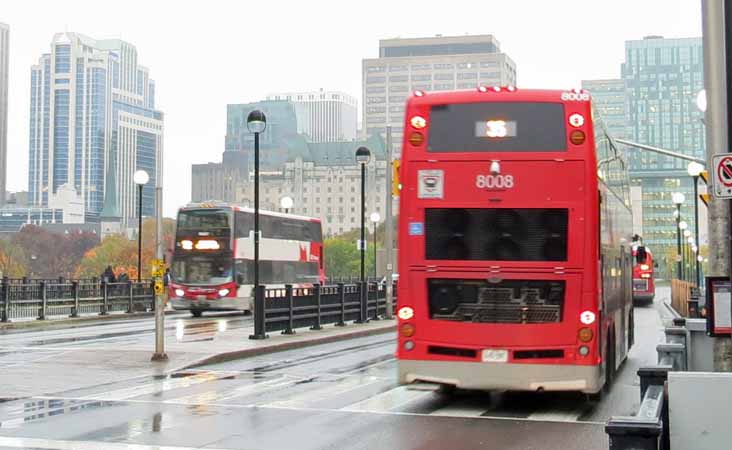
662, 78
93, 116
323, 116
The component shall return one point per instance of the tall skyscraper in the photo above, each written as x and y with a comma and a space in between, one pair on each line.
610, 99
4, 62
93, 120
323, 116
429, 64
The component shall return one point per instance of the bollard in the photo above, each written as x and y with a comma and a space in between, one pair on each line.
260, 318
342, 296
75, 293
316, 293
290, 306
131, 298
105, 299
44, 302
676, 353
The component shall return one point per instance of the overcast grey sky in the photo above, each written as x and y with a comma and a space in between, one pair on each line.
205, 54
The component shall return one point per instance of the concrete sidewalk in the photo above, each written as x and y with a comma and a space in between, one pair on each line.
50, 369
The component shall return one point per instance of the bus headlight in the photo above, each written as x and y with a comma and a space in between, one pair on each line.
644, 267
645, 275
223, 292
180, 293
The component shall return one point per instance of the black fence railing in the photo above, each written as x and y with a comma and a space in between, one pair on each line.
290, 308
44, 299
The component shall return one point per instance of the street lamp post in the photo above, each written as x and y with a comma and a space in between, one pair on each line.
256, 123
140, 178
695, 169
375, 218
682, 227
678, 199
363, 156
286, 203
687, 258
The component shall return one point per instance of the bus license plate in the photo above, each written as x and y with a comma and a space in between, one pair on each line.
496, 356
200, 297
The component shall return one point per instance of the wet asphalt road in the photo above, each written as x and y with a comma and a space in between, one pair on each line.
334, 396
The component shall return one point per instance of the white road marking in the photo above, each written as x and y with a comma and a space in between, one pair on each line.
556, 416
326, 410
388, 401
327, 391
460, 411
52, 444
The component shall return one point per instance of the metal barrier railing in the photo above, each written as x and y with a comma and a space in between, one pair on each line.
290, 308
44, 299
649, 428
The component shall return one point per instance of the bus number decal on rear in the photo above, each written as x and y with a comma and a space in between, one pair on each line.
574, 96
494, 181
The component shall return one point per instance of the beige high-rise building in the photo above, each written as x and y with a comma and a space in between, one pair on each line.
4, 62
439, 63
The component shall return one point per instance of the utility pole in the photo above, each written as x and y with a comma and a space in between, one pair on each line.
159, 354
388, 224
717, 35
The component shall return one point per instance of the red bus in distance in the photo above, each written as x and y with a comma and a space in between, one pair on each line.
515, 241
644, 288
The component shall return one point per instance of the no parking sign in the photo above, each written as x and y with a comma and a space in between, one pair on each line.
722, 176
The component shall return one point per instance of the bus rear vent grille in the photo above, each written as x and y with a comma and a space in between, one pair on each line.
451, 351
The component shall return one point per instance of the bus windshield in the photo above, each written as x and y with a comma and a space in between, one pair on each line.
203, 219
204, 270
497, 127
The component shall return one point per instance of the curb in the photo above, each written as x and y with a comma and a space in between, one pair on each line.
59, 323
284, 346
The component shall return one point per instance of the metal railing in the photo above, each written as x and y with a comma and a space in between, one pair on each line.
649, 428
290, 308
46, 299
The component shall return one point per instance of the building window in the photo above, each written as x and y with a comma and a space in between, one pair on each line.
421, 66
397, 68
444, 76
398, 78
375, 100
467, 76
422, 77
374, 80
376, 90
376, 69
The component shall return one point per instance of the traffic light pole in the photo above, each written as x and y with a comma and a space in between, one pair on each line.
159, 354
716, 24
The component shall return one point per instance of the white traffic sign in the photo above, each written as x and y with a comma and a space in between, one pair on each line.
722, 176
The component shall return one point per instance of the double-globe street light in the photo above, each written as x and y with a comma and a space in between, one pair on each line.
140, 178
678, 199
256, 123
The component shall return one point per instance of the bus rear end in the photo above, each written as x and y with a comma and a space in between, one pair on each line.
498, 242
644, 288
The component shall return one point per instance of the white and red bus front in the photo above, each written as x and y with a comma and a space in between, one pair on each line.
498, 242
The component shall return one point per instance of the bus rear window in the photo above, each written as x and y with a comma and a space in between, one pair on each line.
497, 127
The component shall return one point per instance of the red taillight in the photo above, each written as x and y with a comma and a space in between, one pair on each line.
407, 330
416, 138
577, 137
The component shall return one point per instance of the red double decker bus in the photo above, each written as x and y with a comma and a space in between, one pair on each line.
644, 287
515, 241
213, 258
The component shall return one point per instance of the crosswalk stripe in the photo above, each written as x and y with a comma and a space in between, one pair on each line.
556, 416
305, 399
53, 444
460, 411
388, 401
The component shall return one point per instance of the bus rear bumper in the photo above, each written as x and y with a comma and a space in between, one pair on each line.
512, 377
222, 304
643, 296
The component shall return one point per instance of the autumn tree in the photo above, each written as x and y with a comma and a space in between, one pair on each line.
51, 255
13, 260
121, 253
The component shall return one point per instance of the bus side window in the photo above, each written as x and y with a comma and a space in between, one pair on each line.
244, 223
